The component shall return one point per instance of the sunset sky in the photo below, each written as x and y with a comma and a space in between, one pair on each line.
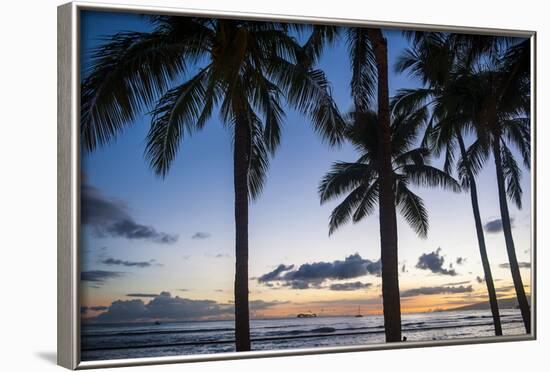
164, 248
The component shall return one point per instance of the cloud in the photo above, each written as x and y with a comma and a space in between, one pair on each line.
262, 305
522, 265
479, 279
436, 290
349, 286
274, 275
110, 217
495, 226
112, 261
460, 260
144, 295
166, 307
99, 276
457, 283
201, 235
86, 309
312, 275
434, 262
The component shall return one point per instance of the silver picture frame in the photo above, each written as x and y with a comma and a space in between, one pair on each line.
69, 181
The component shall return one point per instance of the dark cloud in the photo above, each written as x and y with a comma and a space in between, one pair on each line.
112, 261
436, 290
275, 274
479, 279
143, 295
110, 217
434, 262
166, 307
522, 265
457, 283
495, 226
350, 286
312, 275
99, 276
460, 260
404, 268
201, 235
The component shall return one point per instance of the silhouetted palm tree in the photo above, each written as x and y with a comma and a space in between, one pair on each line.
437, 60
488, 92
368, 52
500, 107
242, 68
360, 181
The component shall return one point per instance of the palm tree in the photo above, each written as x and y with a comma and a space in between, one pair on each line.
491, 96
436, 60
368, 53
360, 181
242, 68
500, 106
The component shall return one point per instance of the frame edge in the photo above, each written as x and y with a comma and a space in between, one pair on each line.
66, 341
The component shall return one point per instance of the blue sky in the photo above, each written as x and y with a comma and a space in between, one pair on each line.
287, 224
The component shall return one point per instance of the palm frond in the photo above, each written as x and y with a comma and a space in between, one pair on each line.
518, 132
342, 178
476, 156
344, 211
258, 155
175, 114
412, 208
129, 72
367, 206
363, 67
309, 91
428, 176
512, 175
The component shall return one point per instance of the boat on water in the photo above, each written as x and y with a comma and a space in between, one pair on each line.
358, 315
307, 315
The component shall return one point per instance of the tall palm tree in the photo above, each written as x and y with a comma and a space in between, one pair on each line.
500, 106
368, 51
361, 183
492, 96
437, 61
242, 68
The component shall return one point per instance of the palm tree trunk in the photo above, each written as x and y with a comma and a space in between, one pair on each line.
507, 229
240, 164
388, 219
481, 242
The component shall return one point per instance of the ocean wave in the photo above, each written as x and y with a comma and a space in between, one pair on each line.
156, 332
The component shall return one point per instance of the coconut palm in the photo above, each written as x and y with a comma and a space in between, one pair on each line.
491, 97
360, 181
368, 51
437, 60
187, 68
499, 104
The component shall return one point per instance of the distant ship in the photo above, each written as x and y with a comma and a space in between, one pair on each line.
307, 315
157, 322
358, 315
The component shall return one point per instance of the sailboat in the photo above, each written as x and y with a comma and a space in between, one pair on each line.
358, 315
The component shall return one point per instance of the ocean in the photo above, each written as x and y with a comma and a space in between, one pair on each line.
121, 341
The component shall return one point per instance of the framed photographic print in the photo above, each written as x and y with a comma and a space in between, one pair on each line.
246, 185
